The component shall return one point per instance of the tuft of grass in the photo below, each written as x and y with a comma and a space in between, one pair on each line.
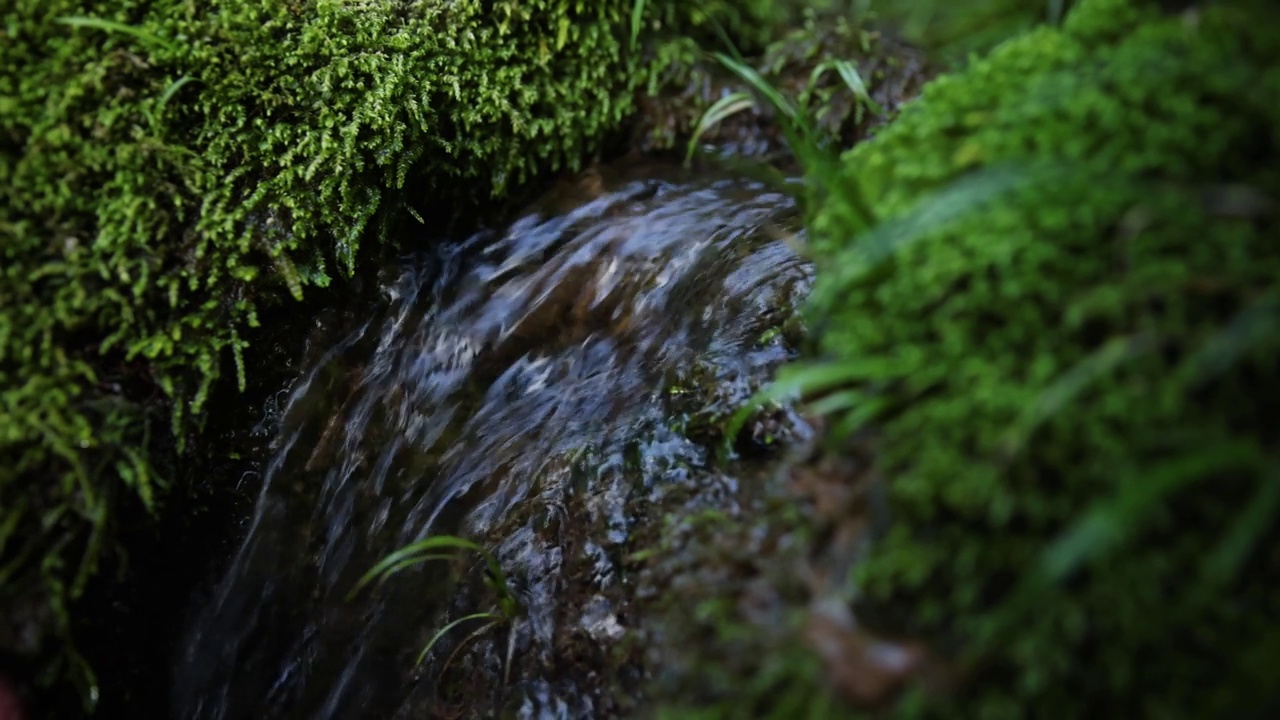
848, 73
449, 548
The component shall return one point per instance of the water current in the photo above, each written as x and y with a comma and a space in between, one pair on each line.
552, 391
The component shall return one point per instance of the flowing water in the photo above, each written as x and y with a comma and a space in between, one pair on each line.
554, 392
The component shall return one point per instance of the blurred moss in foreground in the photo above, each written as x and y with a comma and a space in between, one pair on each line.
1073, 379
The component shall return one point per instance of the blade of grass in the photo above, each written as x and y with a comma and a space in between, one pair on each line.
1070, 384
470, 638
117, 27
167, 95
1224, 564
803, 379
1112, 521
770, 93
422, 547
444, 630
835, 402
637, 16
1253, 325
723, 108
10, 523
392, 570
1122, 515
858, 416
940, 208
726, 41
853, 79
511, 653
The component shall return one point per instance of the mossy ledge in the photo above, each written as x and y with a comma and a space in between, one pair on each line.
170, 170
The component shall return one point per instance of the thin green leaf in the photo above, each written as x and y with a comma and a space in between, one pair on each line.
836, 402
1070, 384
10, 522
956, 200
421, 548
853, 79
805, 378
858, 417
801, 379
83, 675
792, 380
823, 170
1110, 522
723, 108
1257, 517
1056, 10
387, 572
1251, 326
444, 630
722, 34
113, 26
1104, 527
637, 16
771, 94
167, 95
818, 71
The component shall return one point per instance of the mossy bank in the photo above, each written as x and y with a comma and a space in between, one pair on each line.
172, 170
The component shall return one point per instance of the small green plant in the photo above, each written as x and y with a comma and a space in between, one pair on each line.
448, 548
796, 115
852, 79
820, 161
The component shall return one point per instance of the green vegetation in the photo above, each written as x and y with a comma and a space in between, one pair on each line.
846, 77
1071, 378
447, 547
171, 169
1047, 296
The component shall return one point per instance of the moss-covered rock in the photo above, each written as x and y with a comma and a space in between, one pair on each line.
170, 169
802, 66
1074, 381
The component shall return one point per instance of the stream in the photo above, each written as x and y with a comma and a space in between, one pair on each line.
553, 391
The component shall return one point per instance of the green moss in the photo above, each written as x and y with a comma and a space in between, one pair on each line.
1079, 375
170, 169
801, 64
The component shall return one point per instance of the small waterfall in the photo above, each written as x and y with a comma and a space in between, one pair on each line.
528, 389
